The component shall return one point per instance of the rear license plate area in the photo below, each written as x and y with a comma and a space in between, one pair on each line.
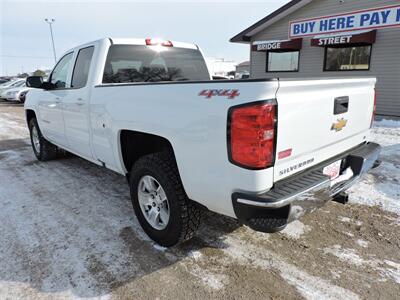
333, 170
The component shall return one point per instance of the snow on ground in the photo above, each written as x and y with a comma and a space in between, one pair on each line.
362, 243
296, 229
347, 255
12, 126
67, 231
381, 186
386, 268
310, 287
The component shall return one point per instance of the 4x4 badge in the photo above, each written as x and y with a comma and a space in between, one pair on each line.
339, 125
230, 94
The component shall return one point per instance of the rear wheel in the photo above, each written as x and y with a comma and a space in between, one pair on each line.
161, 205
43, 149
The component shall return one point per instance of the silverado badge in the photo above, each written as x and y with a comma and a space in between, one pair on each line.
339, 125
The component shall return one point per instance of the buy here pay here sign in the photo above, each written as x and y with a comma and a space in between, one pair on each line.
374, 18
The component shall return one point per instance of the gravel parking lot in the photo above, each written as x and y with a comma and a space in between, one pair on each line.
68, 231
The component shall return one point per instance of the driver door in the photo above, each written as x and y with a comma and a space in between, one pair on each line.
51, 104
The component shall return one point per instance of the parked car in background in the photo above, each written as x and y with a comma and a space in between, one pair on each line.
4, 80
22, 96
220, 78
10, 85
15, 93
242, 76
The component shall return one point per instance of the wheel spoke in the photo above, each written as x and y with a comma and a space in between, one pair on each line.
144, 198
164, 216
149, 184
161, 193
153, 216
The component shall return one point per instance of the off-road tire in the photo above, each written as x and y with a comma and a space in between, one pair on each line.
185, 215
48, 151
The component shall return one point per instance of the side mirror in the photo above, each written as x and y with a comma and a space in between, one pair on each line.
34, 81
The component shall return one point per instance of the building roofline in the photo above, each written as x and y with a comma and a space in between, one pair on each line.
245, 35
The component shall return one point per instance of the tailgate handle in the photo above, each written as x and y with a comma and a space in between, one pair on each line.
341, 105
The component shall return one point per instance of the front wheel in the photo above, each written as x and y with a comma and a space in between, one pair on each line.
161, 205
43, 149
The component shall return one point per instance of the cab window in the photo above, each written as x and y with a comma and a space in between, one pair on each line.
81, 69
60, 73
138, 63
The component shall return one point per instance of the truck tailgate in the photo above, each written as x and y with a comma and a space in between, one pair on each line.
318, 119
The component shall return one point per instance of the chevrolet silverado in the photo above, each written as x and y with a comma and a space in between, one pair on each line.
264, 151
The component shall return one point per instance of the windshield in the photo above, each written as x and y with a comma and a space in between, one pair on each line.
136, 63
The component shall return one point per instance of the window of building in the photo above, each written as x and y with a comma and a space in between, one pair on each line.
350, 58
81, 69
283, 61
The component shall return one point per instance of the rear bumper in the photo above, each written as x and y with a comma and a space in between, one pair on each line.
302, 193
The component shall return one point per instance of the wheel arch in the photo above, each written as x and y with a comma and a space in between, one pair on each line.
136, 144
29, 115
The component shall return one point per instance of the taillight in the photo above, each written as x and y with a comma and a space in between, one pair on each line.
373, 110
251, 135
156, 42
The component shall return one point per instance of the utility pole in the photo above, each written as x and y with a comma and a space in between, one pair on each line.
50, 22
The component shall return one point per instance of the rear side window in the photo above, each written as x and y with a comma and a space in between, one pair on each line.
137, 63
81, 69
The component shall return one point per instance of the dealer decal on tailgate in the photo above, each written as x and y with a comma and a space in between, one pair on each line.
230, 94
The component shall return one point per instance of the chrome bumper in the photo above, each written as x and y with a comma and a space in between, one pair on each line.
302, 193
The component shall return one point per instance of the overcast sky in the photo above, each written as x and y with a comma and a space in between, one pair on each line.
25, 43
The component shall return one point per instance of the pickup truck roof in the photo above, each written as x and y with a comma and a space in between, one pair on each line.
134, 41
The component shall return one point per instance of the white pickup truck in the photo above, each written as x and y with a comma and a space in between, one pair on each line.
263, 151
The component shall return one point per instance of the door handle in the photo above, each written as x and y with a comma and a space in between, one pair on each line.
80, 102
341, 105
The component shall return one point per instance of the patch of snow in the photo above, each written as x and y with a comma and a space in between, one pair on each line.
214, 281
394, 271
296, 229
47, 239
387, 123
348, 220
350, 256
362, 243
195, 254
18, 290
346, 255
381, 186
309, 286
209, 279
344, 219
335, 274
349, 234
11, 127
160, 248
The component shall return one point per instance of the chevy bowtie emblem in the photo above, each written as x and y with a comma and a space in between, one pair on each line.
339, 125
